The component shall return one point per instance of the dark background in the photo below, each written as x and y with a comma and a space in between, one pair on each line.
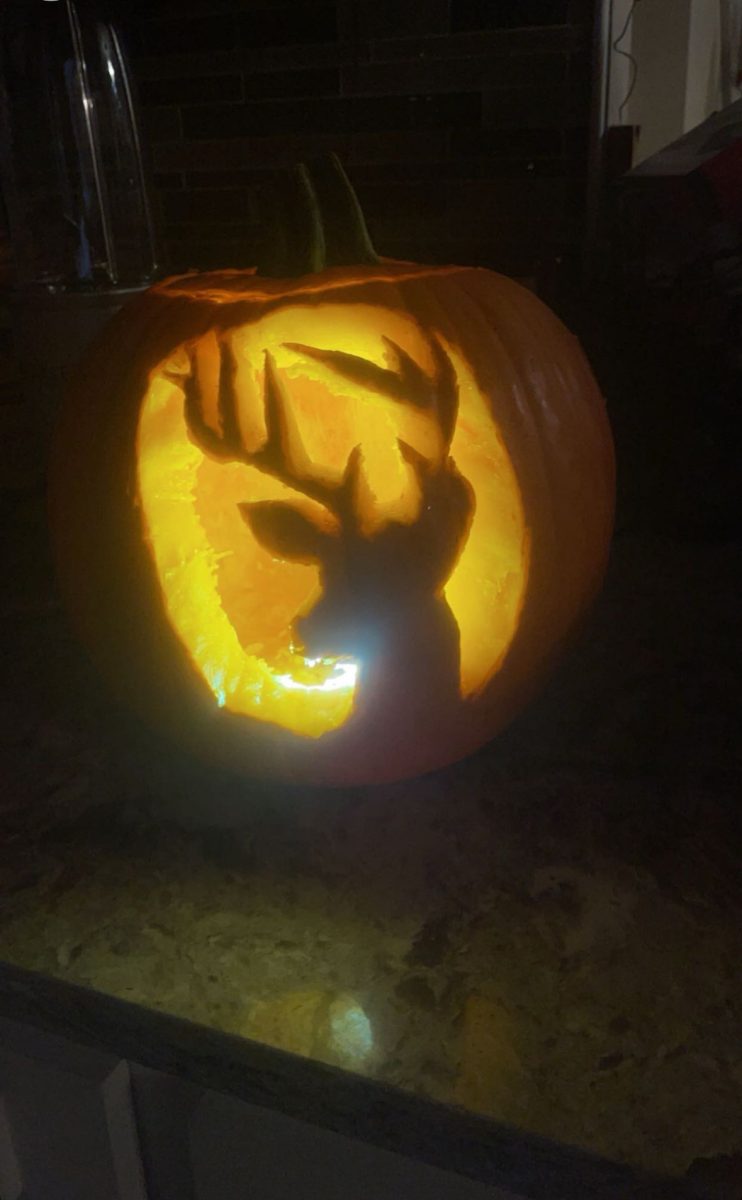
462, 123
465, 127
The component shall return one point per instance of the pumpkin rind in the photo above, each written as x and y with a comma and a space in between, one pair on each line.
550, 416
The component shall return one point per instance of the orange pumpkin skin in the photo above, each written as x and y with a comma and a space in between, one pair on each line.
515, 363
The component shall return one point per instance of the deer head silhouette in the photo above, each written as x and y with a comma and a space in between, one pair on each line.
382, 600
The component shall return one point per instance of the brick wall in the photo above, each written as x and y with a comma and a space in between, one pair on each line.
462, 123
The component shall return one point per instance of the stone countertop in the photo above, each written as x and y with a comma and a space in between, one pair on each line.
548, 933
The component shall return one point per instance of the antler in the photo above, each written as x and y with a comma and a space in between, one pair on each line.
209, 398
211, 415
211, 412
408, 384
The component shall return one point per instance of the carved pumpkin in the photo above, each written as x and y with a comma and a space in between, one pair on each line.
332, 523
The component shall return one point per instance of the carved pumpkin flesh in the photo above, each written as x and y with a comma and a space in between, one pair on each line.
333, 528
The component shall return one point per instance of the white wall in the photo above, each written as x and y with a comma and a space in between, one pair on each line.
660, 44
703, 78
677, 48
617, 68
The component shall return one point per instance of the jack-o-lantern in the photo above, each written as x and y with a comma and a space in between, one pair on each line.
326, 522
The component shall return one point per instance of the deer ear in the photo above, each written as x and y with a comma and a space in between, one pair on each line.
284, 531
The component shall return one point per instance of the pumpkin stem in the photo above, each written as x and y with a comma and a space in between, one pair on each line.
316, 222
295, 243
347, 240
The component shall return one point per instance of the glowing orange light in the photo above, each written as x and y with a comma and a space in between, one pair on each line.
232, 603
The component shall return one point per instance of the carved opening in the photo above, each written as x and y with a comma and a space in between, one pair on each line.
329, 504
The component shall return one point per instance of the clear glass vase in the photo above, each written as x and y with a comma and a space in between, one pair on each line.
73, 174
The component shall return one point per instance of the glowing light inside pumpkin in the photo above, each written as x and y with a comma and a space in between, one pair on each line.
232, 603
344, 676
